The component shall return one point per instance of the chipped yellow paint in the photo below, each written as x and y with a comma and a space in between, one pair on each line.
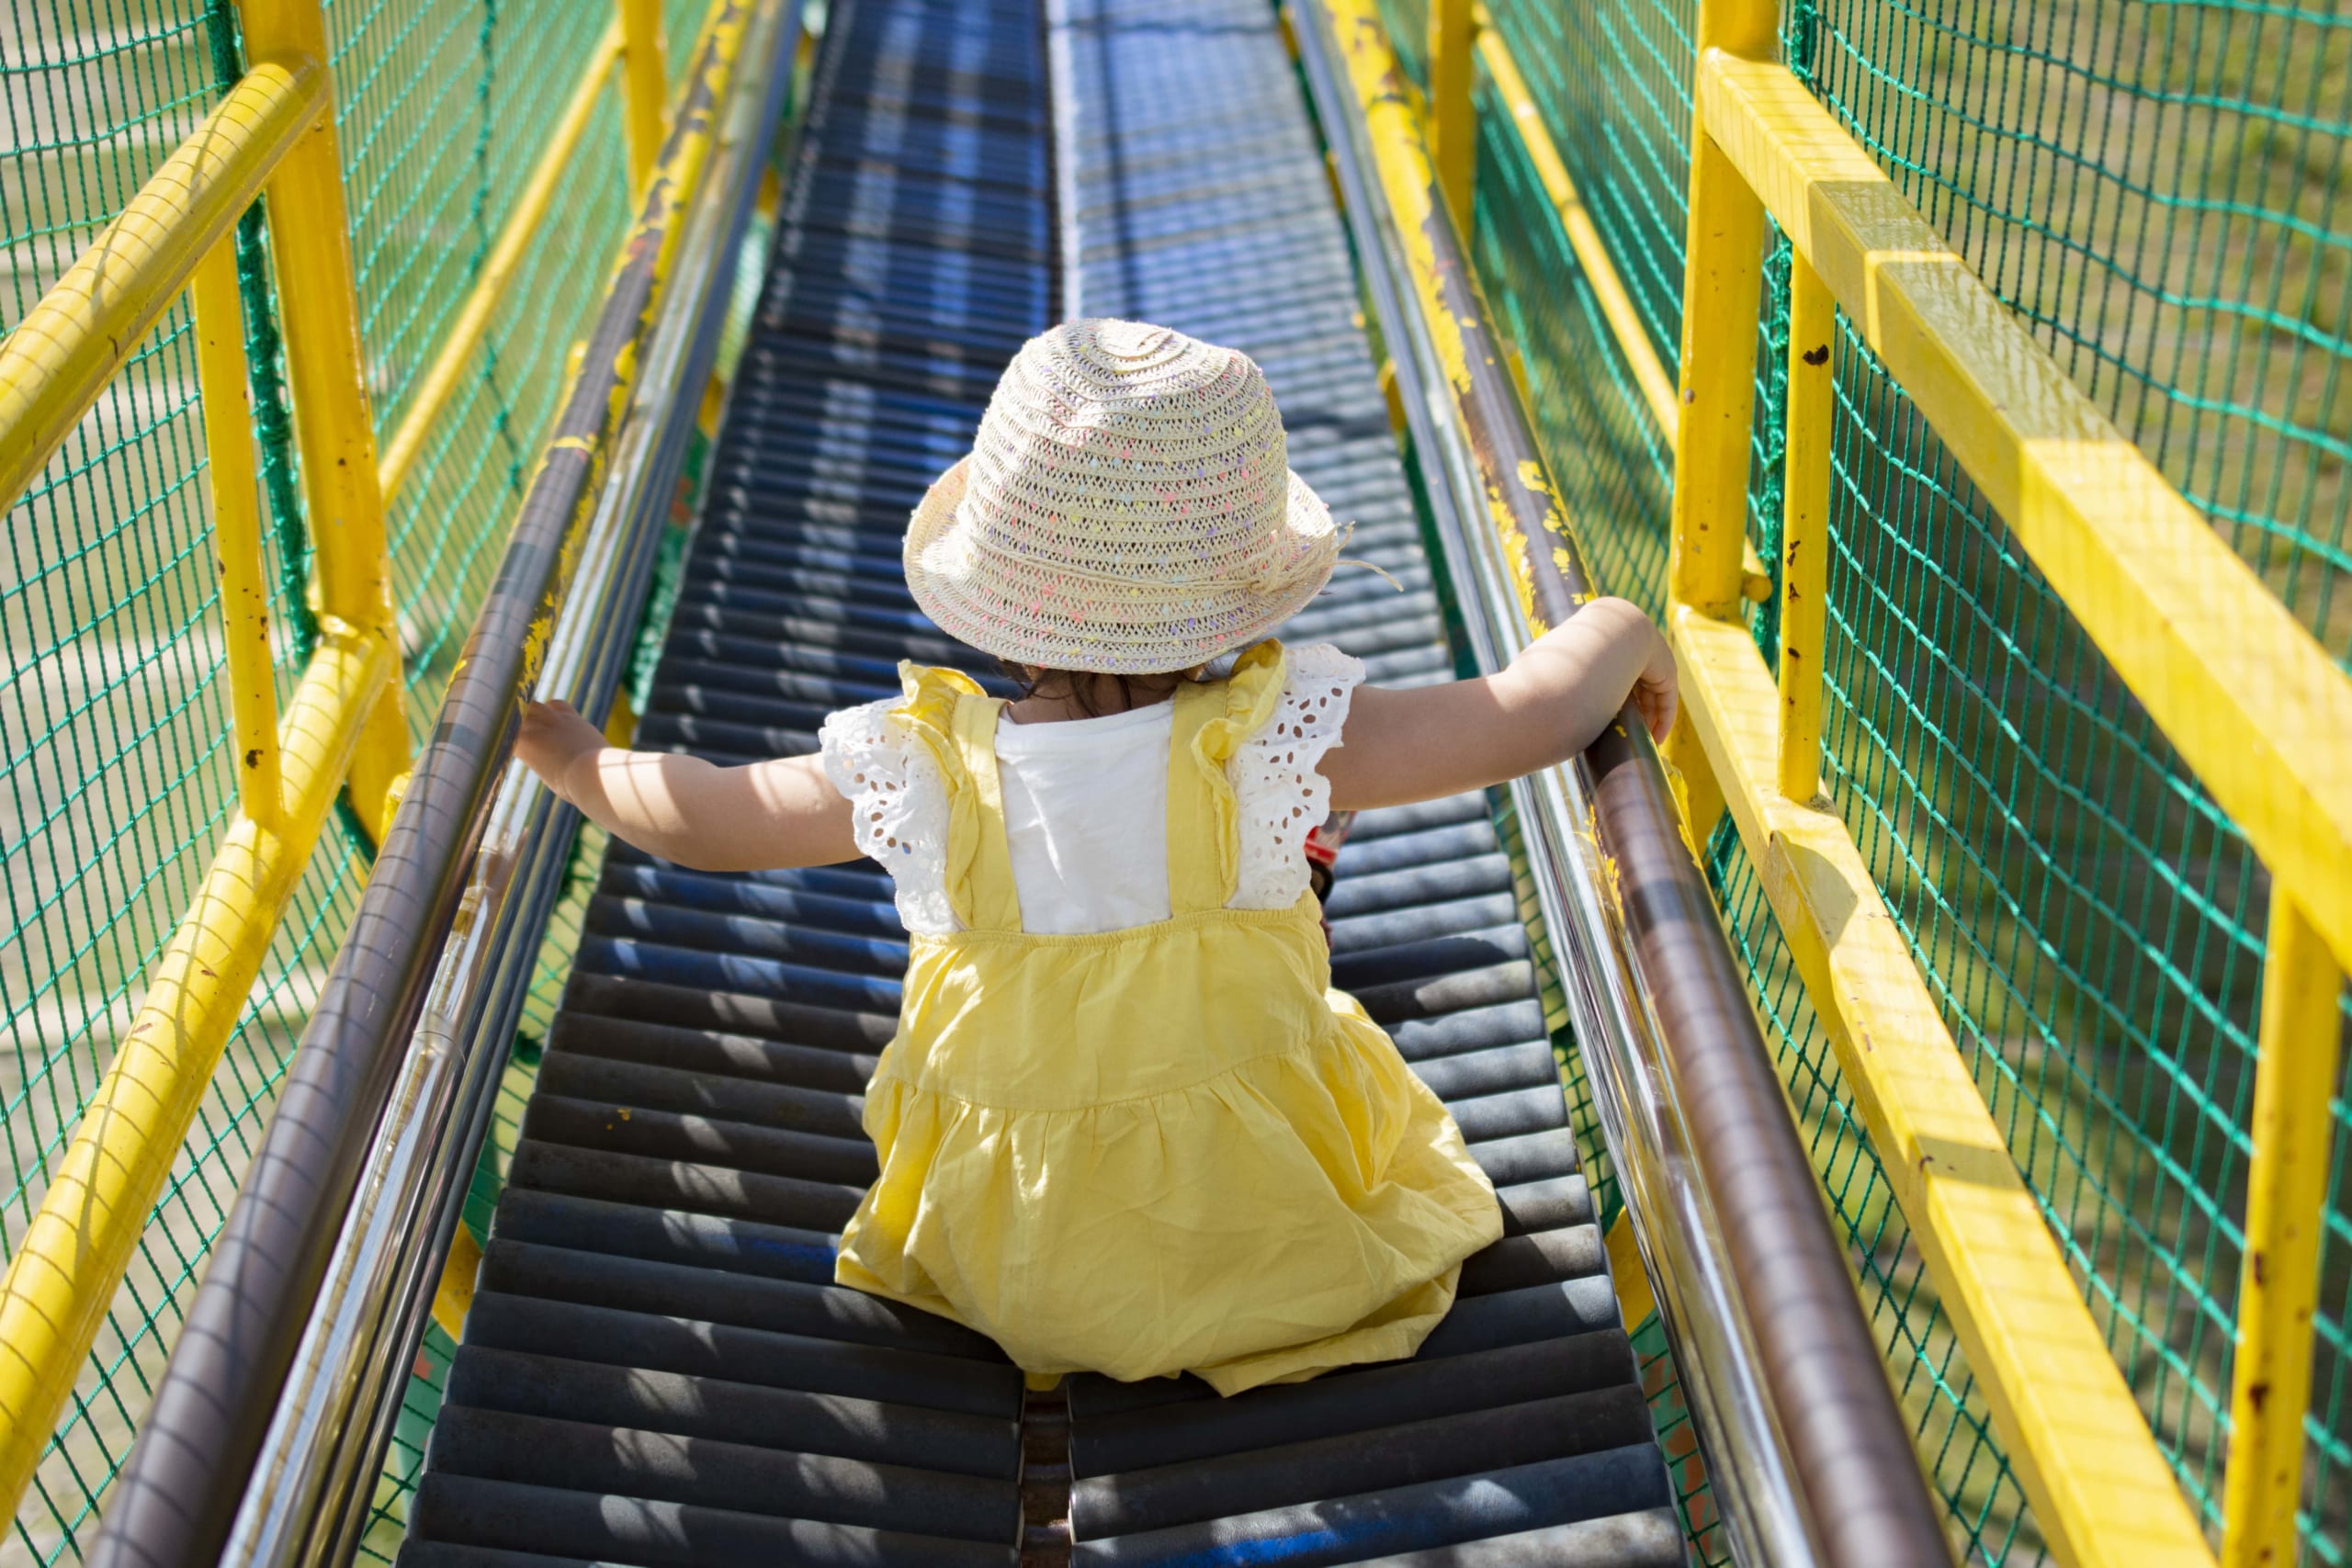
452, 1296
1516, 561
2080, 1447
249, 667
2286, 1207
1403, 169
310, 226
1635, 1301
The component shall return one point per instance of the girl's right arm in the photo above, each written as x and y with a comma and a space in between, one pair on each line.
1555, 699
760, 816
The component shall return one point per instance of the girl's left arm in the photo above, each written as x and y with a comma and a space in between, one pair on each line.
756, 817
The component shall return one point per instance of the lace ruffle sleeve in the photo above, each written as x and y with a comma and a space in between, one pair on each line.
900, 804
1279, 790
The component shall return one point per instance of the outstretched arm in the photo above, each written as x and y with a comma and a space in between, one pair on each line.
1553, 701
756, 817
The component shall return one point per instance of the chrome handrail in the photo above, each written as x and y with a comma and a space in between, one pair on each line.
310, 1494
427, 987
1647, 1002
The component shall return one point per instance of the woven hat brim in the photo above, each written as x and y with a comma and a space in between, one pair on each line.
963, 611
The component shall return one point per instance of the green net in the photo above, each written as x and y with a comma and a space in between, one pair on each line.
111, 714
2153, 187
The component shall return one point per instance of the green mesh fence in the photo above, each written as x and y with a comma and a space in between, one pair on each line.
111, 717
2155, 189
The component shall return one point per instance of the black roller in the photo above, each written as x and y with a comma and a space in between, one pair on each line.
609, 996
1652, 1539
665, 1236
1356, 1401
779, 1306
1408, 1518
1517, 1261
660, 1534
701, 1348
712, 1050
640, 1399
624, 1129
492, 1444
677, 1184
1493, 1438
704, 1091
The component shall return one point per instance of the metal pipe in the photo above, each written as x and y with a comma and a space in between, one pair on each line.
310, 1485
1676, 1225
1806, 1440
178, 1496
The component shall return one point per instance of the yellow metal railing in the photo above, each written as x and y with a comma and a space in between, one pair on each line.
2240, 688
273, 135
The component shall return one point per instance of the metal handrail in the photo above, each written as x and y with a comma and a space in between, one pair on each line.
180, 1494
310, 1492
1808, 1453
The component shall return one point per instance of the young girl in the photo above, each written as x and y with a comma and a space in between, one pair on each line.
1126, 1126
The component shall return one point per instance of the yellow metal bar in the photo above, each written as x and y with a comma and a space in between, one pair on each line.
72, 1255
1804, 529
1636, 1299
2100, 1490
645, 84
2271, 1384
1609, 289
2241, 691
59, 357
1722, 280
498, 270
236, 531
319, 312
1454, 126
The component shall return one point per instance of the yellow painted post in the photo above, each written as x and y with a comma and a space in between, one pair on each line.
1722, 284
1804, 529
236, 531
319, 310
67, 1269
1454, 129
2271, 1384
645, 85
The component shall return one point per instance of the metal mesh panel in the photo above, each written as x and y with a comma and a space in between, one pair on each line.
111, 715
2088, 920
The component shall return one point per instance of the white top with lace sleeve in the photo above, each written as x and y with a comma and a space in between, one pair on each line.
1086, 804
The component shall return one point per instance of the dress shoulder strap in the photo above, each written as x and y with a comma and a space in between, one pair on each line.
1211, 719
948, 713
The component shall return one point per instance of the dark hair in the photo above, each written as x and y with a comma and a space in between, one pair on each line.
1089, 690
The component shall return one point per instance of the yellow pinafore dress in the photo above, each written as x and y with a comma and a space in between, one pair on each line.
1163, 1149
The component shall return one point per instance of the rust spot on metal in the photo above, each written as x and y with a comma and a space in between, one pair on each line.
1817, 356
253, 758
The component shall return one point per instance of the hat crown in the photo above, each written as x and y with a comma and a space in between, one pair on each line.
1127, 505
1126, 449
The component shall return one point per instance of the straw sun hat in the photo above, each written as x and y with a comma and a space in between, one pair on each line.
1128, 507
